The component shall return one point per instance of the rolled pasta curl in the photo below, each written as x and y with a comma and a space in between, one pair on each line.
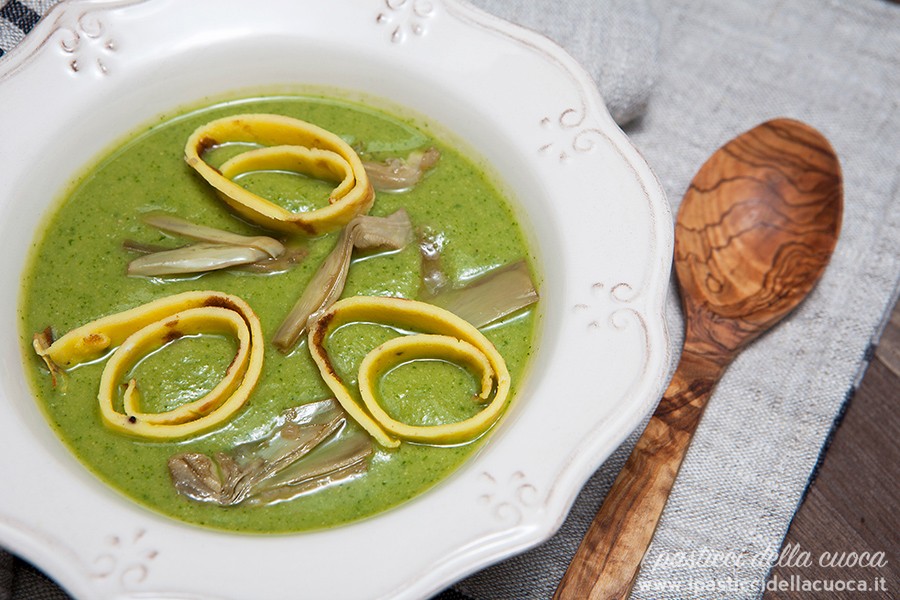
138, 331
293, 145
453, 339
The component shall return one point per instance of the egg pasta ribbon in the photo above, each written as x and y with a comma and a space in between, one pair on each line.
288, 145
136, 332
450, 338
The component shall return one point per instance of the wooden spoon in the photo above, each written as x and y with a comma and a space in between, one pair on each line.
754, 233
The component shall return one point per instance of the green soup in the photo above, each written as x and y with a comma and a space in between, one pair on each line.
77, 274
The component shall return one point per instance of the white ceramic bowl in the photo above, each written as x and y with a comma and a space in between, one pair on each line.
92, 71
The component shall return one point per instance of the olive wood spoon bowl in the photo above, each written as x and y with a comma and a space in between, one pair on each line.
754, 233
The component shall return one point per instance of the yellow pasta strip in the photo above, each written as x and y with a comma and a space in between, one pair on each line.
292, 145
453, 339
139, 331
315, 162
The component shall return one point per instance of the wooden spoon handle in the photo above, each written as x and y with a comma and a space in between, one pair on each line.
609, 557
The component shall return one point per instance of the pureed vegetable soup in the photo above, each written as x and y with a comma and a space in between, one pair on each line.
461, 228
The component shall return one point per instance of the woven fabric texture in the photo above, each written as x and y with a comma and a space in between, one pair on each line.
17, 18
724, 67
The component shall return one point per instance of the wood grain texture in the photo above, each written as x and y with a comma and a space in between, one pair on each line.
606, 563
853, 503
754, 233
756, 229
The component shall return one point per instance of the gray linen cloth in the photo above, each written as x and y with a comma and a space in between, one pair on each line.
723, 67
683, 76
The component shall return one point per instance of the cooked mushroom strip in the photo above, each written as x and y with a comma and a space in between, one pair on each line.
452, 339
488, 298
329, 463
172, 224
325, 288
434, 278
142, 248
218, 249
494, 295
291, 145
40, 341
139, 331
309, 447
393, 231
397, 174
196, 258
294, 253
